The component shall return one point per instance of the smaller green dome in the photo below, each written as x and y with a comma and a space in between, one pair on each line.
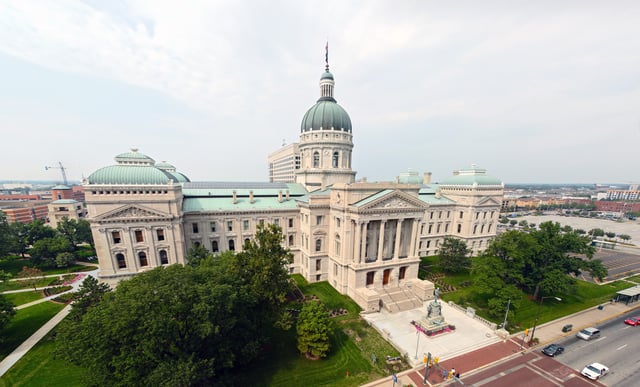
471, 176
134, 157
326, 75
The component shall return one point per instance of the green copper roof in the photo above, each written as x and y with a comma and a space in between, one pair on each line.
197, 204
373, 197
326, 75
130, 174
471, 176
432, 199
65, 201
326, 114
226, 189
60, 187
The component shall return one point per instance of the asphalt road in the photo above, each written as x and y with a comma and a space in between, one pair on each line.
618, 348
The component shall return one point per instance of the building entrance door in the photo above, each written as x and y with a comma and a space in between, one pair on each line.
385, 277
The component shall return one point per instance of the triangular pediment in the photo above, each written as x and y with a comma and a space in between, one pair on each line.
489, 201
394, 201
132, 212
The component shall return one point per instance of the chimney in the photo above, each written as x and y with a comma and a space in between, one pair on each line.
427, 178
251, 196
287, 194
235, 197
280, 196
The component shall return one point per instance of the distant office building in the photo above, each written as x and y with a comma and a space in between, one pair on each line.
364, 238
633, 193
284, 163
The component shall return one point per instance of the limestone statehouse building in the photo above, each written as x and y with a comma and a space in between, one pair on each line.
364, 238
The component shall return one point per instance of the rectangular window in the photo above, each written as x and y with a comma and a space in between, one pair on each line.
370, 277
438, 229
194, 228
290, 222
261, 221
319, 220
213, 226
338, 222
402, 273
160, 234
139, 237
335, 269
431, 215
430, 229
461, 213
214, 246
276, 221
428, 244
318, 277
116, 237
230, 225
245, 225
440, 215
448, 214
318, 264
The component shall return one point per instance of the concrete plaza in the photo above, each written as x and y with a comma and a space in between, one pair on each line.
396, 327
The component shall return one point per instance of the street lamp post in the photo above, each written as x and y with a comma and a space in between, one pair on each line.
535, 323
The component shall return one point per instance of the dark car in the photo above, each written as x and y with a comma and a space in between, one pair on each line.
553, 350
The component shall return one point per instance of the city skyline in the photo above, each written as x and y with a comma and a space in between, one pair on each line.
543, 92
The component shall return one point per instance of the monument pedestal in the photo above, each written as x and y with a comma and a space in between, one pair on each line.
433, 323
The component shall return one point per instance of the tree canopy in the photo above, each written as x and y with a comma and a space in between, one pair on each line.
180, 325
314, 329
454, 255
535, 262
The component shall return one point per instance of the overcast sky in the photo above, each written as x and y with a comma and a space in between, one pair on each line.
533, 91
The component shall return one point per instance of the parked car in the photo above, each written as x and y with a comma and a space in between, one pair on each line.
633, 321
595, 371
588, 333
552, 350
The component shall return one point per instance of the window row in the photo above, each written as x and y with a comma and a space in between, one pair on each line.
214, 227
142, 259
138, 235
130, 192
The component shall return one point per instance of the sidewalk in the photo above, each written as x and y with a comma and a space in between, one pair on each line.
478, 359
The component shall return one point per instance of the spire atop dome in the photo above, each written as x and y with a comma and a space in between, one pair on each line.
326, 56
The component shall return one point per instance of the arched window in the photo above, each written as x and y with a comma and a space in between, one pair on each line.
316, 159
334, 161
232, 245
337, 239
164, 258
246, 241
122, 263
142, 257
214, 246
318, 245
459, 228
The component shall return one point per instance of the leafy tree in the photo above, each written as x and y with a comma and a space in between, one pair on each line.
173, 325
610, 234
567, 229
197, 254
523, 224
5, 235
454, 255
596, 232
537, 261
38, 230
314, 328
508, 295
4, 275
513, 222
580, 231
31, 276
263, 267
20, 238
65, 259
7, 311
75, 232
624, 237
532, 225
503, 220
89, 294
44, 251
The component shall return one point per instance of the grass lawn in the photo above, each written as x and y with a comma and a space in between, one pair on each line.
13, 267
25, 323
584, 295
21, 298
16, 285
39, 367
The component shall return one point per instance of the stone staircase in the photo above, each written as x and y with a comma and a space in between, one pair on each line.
398, 299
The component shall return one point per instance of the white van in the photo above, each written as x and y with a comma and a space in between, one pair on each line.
588, 333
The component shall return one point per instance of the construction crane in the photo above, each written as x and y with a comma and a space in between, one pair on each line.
62, 169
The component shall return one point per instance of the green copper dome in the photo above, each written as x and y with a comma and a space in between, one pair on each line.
326, 114
136, 168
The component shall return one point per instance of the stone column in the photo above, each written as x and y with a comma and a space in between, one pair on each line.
396, 249
381, 241
357, 243
414, 237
